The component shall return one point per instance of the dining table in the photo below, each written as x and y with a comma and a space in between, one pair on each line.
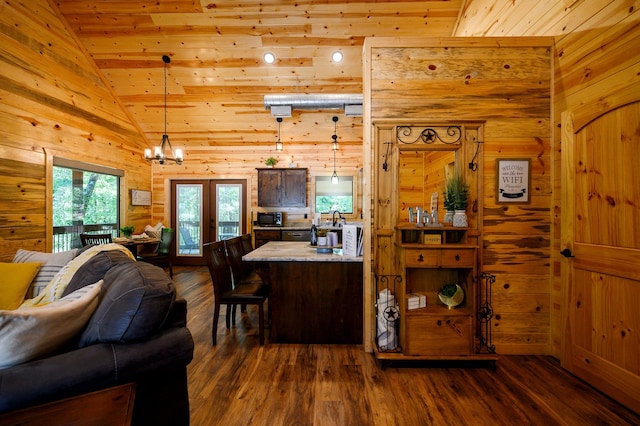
138, 245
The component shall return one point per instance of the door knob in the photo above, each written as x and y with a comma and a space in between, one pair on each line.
567, 253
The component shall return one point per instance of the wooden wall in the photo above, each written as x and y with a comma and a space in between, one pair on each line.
217, 79
507, 83
596, 53
56, 99
53, 103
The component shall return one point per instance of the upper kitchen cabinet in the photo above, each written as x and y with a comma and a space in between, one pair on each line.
282, 187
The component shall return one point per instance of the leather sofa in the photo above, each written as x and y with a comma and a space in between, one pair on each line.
137, 334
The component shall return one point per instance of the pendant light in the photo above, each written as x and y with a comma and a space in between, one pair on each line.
159, 151
279, 146
334, 176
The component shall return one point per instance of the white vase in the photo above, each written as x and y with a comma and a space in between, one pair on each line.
460, 219
448, 216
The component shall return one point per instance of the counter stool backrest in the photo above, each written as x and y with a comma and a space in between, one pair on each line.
216, 256
247, 245
234, 256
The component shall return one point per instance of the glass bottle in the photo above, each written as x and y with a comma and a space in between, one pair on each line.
314, 235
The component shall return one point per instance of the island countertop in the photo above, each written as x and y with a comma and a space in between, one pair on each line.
294, 251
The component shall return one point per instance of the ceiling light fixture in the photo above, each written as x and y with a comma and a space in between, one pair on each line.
159, 151
279, 146
334, 176
336, 56
269, 57
335, 135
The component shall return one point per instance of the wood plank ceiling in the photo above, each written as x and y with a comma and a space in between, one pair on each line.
217, 77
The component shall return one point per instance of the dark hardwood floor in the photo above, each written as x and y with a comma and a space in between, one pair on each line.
239, 382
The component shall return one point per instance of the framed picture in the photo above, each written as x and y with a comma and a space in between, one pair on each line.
140, 197
513, 181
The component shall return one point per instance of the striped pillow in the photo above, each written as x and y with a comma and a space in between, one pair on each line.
35, 332
52, 263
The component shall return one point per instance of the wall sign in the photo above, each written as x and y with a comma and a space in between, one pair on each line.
513, 181
140, 197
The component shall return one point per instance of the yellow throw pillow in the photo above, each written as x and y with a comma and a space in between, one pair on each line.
15, 279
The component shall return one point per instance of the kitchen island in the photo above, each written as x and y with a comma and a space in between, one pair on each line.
313, 298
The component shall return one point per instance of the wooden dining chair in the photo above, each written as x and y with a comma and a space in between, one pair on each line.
162, 255
242, 271
247, 245
93, 239
225, 292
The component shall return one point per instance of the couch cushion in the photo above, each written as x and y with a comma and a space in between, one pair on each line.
135, 302
15, 279
95, 269
30, 333
51, 265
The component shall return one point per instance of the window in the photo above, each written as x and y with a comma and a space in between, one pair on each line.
85, 200
331, 197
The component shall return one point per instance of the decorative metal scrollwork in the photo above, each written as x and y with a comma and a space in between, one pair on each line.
485, 314
448, 135
387, 313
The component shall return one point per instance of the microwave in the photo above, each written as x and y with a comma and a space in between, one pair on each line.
269, 219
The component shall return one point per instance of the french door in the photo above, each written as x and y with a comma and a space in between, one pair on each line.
205, 211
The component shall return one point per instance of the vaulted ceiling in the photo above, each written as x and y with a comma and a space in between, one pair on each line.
217, 77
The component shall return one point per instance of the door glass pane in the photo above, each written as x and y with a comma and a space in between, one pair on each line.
228, 210
189, 214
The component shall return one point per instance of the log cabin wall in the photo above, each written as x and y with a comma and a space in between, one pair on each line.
596, 54
54, 103
56, 96
507, 84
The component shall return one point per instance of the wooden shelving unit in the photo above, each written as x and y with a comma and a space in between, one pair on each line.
416, 159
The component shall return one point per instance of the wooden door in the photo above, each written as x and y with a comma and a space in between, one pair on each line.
601, 245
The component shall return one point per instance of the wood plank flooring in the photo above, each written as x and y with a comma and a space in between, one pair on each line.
238, 382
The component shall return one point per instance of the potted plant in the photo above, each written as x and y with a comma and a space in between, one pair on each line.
127, 231
451, 295
322, 237
457, 192
449, 204
270, 162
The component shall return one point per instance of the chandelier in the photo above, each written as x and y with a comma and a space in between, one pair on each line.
159, 152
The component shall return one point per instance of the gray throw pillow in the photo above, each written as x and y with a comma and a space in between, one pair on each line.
136, 300
95, 269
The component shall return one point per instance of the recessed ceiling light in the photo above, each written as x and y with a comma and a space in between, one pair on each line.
269, 57
336, 56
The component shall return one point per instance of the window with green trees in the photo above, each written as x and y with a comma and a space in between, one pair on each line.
334, 196
84, 200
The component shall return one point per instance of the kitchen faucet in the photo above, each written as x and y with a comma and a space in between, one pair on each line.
333, 216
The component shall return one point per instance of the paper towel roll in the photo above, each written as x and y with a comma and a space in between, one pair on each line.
386, 321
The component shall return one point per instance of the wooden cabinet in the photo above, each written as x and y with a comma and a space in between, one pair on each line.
282, 187
436, 330
263, 236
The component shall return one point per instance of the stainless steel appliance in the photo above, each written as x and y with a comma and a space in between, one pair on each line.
303, 235
269, 219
